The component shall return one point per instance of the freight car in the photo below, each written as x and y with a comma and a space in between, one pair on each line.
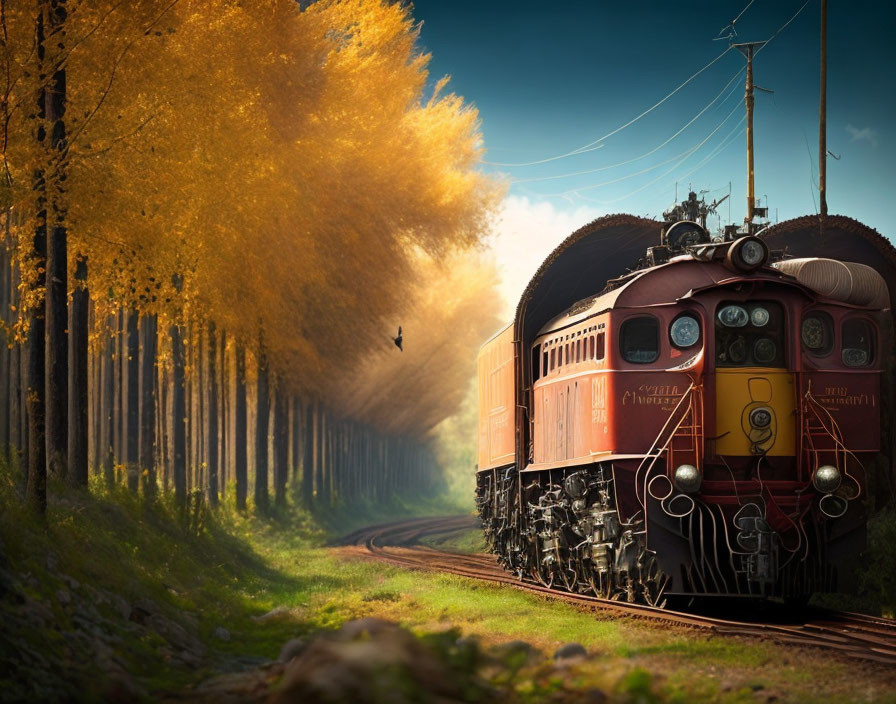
700, 425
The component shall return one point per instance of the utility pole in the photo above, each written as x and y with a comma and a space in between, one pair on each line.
748, 50
822, 114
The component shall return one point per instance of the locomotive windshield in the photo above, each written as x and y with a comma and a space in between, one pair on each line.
749, 334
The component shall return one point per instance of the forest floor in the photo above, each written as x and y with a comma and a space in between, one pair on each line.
117, 599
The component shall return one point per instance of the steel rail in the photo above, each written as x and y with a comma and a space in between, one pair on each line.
858, 636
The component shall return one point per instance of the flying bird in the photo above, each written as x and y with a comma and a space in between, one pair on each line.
398, 340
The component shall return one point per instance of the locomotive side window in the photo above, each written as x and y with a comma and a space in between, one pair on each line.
750, 334
600, 346
591, 346
578, 351
856, 348
544, 371
817, 333
553, 358
536, 363
640, 340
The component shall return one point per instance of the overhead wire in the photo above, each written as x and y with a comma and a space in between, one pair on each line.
730, 137
648, 153
591, 145
683, 155
662, 175
782, 27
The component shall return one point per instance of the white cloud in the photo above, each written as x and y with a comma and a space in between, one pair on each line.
525, 232
866, 134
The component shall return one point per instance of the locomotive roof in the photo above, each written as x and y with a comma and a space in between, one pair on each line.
676, 279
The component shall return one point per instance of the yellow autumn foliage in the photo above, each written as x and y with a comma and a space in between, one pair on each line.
287, 163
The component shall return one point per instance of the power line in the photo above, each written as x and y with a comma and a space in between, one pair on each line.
783, 26
645, 154
685, 154
661, 176
591, 145
730, 137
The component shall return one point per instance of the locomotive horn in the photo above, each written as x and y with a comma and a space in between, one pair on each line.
746, 254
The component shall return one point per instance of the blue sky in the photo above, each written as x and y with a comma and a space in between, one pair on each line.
549, 78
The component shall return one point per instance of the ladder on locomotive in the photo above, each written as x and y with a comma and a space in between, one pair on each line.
681, 436
821, 441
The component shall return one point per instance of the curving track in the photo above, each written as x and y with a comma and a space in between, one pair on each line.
852, 635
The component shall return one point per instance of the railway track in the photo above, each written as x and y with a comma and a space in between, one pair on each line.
851, 635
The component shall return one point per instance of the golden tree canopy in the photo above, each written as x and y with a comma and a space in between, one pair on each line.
288, 165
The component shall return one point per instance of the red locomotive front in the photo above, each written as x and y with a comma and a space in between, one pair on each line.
701, 426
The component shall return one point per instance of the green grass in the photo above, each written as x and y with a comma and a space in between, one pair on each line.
226, 569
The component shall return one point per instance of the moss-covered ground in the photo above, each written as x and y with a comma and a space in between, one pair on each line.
76, 587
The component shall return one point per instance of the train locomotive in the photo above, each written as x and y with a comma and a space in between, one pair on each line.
700, 425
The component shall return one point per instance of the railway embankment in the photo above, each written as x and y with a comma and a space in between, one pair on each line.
120, 599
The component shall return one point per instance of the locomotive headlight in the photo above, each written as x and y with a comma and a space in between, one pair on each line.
734, 316
747, 253
760, 418
759, 316
826, 478
684, 331
687, 479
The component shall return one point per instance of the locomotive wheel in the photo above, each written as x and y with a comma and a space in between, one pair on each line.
653, 582
568, 576
543, 575
540, 572
601, 583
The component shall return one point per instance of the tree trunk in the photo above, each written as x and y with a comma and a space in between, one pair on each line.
107, 430
15, 384
281, 445
132, 428
147, 417
36, 487
77, 379
308, 458
163, 415
261, 433
5, 376
240, 467
179, 408
222, 414
211, 416
56, 297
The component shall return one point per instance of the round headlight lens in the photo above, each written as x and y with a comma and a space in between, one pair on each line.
684, 331
764, 350
760, 417
752, 253
759, 316
734, 316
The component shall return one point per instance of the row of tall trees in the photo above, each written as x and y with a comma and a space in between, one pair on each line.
215, 214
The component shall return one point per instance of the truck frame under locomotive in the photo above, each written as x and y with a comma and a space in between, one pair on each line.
700, 425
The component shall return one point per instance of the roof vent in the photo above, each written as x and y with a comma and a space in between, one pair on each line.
849, 282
